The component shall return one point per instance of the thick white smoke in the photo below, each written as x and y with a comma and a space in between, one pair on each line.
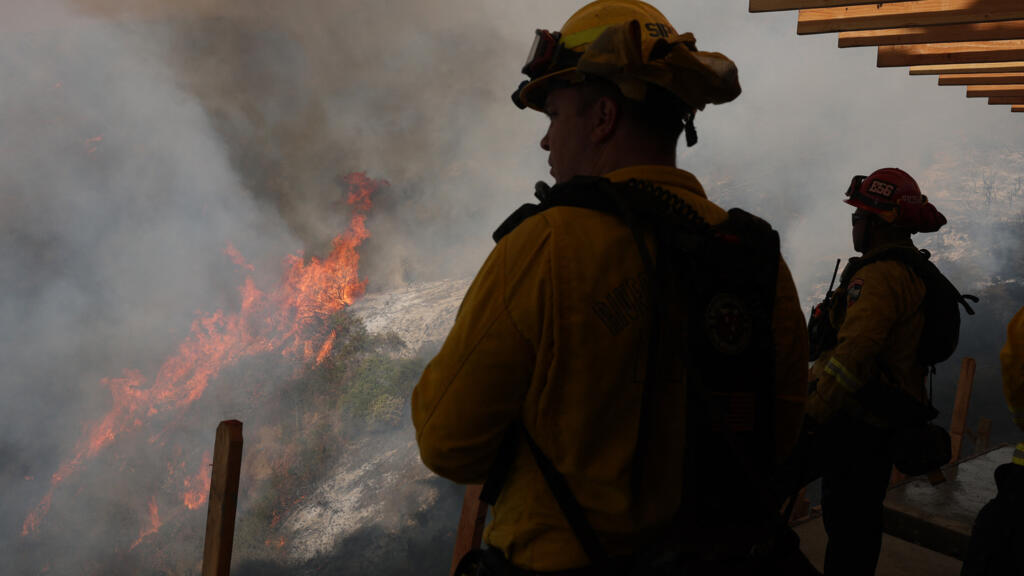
139, 139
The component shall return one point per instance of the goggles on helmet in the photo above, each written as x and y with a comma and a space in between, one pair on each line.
542, 53
548, 55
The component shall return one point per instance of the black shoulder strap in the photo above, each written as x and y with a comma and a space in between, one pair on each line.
582, 192
601, 195
919, 261
571, 508
635, 201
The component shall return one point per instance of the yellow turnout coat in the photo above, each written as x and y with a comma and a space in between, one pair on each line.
551, 332
1012, 359
878, 334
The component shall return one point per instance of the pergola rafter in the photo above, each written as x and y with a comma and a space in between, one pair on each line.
780, 5
990, 91
980, 79
973, 43
907, 15
951, 53
985, 68
1004, 100
931, 34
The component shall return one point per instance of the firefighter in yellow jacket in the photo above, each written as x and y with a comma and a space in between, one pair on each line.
551, 332
1012, 358
867, 378
997, 537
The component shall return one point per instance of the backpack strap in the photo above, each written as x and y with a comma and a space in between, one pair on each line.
919, 261
570, 507
601, 195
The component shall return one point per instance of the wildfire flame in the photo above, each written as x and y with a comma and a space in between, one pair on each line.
197, 487
280, 320
154, 523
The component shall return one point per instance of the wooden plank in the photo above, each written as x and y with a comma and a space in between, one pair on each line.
1001, 90
983, 68
936, 477
801, 508
958, 426
907, 15
1010, 30
778, 5
471, 524
1017, 109
220, 516
951, 53
984, 435
940, 517
980, 79
1005, 100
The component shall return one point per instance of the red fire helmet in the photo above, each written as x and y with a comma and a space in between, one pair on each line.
894, 196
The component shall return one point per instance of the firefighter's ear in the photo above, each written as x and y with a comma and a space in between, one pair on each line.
604, 119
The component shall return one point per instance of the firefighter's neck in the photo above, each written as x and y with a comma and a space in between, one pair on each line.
623, 143
626, 149
880, 235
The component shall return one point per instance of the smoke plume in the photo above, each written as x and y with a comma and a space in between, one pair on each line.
140, 139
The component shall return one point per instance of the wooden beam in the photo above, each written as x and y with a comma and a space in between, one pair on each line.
1017, 109
220, 516
1004, 100
471, 524
984, 435
1009, 30
1002, 90
985, 68
779, 5
907, 15
951, 53
958, 425
980, 79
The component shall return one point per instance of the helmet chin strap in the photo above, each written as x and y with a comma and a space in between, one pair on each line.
866, 235
690, 129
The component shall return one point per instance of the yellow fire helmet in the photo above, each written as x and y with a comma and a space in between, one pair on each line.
633, 45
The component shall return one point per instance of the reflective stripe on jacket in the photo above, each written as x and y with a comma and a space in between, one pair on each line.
553, 331
1012, 359
876, 343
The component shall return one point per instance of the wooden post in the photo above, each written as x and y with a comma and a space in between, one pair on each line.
220, 516
802, 506
984, 433
471, 524
958, 427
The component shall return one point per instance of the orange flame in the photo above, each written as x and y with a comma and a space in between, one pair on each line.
238, 259
197, 487
154, 523
310, 292
326, 348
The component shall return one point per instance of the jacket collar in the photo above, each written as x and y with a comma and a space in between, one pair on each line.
908, 243
664, 176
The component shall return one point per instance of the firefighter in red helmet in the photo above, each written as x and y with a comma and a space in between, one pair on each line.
869, 406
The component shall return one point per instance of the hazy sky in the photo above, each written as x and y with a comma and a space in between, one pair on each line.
139, 138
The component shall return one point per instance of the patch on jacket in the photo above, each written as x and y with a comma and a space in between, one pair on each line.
729, 324
853, 292
624, 304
